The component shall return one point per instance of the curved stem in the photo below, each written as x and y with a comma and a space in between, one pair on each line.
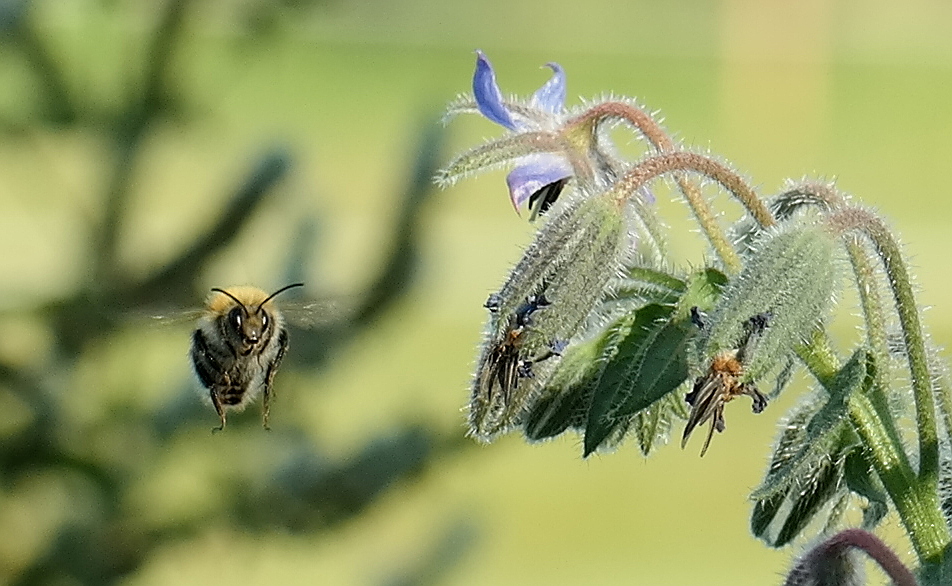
917, 503
590, 121
828, 198
658, 165
813, 564
640, 120
854, 218
819, 358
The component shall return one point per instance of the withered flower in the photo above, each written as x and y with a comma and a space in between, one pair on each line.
722, 384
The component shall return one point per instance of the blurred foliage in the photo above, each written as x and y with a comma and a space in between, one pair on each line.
103, 535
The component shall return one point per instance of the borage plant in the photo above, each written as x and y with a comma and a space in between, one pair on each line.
596, 330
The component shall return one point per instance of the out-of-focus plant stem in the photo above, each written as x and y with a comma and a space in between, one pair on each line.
131, 130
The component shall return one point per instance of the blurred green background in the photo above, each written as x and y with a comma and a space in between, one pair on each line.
343, 93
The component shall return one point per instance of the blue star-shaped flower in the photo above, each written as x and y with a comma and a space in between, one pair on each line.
548, 146
538, 178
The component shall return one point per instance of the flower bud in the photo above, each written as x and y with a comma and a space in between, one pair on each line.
782, 294
544, 303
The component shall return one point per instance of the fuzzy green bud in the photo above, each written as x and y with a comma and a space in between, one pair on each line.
783, 293
765, 312
544, 304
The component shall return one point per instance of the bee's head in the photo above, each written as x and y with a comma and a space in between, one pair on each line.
249, 325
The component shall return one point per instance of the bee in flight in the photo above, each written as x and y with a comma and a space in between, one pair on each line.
237, 347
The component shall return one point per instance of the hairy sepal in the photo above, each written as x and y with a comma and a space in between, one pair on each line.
790, 281
571, 262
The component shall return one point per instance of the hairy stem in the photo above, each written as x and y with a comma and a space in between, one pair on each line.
917, 503
819, 358
847, 220
852, 539
655, 135
656, 166
943, 391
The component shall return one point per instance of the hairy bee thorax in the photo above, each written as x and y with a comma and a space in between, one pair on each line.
237, 347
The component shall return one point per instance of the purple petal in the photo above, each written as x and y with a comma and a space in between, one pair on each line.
551, 96
533, 173
488, 96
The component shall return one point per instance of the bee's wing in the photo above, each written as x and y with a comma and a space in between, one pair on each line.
169, 317
315, 313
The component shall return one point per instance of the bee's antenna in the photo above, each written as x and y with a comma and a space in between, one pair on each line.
238, 301
275, 294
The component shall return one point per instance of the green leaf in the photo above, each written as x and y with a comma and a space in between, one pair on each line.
764, 512
564, 401
703, 290
827, 433
653, 425
623, 389
809, 502
817, 456
860, 479
650, 362
651, 285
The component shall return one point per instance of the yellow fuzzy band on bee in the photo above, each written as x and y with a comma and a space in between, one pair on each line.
218, 302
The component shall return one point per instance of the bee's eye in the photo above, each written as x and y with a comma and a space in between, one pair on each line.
264, 319
234, 316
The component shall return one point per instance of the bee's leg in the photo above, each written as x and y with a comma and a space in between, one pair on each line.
269, 378
216, 401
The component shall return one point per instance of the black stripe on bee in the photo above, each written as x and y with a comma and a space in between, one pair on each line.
206, 366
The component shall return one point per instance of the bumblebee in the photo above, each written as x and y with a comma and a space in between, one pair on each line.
238, 346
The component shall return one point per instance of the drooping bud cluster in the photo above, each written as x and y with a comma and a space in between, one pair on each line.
635, 346
542, 306
782, 295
